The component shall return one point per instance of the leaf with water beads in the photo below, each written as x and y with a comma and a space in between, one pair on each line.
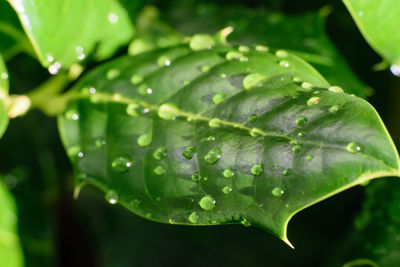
261, 154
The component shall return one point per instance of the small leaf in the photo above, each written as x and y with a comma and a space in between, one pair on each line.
219, 166
65, 32
378, 22
3, 97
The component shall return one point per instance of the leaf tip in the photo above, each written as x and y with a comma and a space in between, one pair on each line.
286, 240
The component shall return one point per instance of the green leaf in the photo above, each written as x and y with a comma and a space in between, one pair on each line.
68, 31
378, 22
3, 97
280, 140
303, 35
10, 250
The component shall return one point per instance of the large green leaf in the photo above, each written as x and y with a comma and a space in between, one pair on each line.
67, 31
304, 35
221, 135
378, 22
3, 96
10, 251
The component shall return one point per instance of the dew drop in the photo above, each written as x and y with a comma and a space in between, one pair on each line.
286, 172
262, 48
112, 74
301, 121
201, 42
75, 153
163, 61
121, 164
113, 18
205, 68
281, 53
144, 140
253, 80
136, 79
136, 202
193, 217
256, 132
296, 79
168, 111
252, 118
334, 109
277, 192
214, 123
228, 173
245, 222
144, 89
72, 115
353, 147
257, 169
207, 203
219, 98
309, 157
134, 110
213, 156
112, 197
54, 68
301, 134
296, 148
395, 69
196, 176
208, 138
313, 101
233, 55
335, 89
159, 170
81, 176
160, 153
227, 190
189, 152
306, 85
284, 63
100, 142
4, 76
244, 49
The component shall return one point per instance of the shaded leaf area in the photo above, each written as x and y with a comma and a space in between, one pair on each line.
378, 22
376, 233
303, 34
66, 32
221, 136
10, 250
3, 96
12, 37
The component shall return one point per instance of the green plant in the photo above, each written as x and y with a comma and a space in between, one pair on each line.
218, 115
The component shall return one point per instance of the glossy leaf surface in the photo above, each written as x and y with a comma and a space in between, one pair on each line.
3, 96
10, 251
378, 22
67, 31
223, 135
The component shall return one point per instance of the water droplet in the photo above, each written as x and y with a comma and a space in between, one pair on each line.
186, 82
222, 75
243, 59
244, 49
219, 98
171, 221
353, 147
208, 138
163, 61
252, 118
245, 222
159, 170
100, 142
112, 18
309, 157
207, 203
301, 121
134, 110
136, 79
75, 153
144, 89
205, 68
257, 169
72, 115
214, 123
226, 190
168, 111
286, 172
395, 69
262, 48
253, 80
306, 85
4, 76
81, 176
136, 202
213, 156
193, 217
313, 101
233, 55
160, 153
256, 132
148, 215
112, 197
196, 176
228, 173
201, 42
277, 192
121, 164
144, 140
301, 134
334, 109
281, 53
54, 68
335, 89
189, 152
284, 63
296, 149
112, 74
296, 79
